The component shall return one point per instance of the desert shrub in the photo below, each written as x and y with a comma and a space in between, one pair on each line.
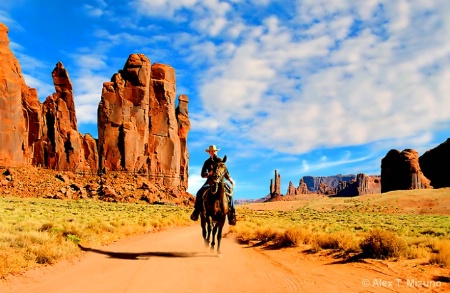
324, 241
294, 236
382, 244
266, 234
347, 241
442, 257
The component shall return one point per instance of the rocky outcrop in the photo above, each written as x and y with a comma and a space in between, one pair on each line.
313, 182
435, 165
140, 129
401, 171
325, 189
184, 125
275, 185
30, 181
164, 142
362, 184
301, 189
61, 146
19, 109
123, 118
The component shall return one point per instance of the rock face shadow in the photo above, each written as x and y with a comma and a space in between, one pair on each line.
144, 255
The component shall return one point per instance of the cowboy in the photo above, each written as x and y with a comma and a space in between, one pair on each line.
206, 172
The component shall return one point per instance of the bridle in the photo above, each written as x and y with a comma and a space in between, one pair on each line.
217, 176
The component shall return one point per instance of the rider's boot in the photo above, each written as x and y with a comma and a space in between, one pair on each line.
231, 211
231, 217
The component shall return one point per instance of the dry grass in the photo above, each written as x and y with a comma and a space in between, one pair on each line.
378, 227
383, 244
442, 255
34, 232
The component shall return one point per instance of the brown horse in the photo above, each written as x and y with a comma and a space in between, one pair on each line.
215, 206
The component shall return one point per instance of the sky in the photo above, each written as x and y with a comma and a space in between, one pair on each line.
304, 87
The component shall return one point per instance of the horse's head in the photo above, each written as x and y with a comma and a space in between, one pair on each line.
218, 172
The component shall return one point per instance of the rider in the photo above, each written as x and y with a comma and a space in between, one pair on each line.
206, 172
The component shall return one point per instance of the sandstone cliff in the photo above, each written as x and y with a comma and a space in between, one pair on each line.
314, 182
140, 129
60, 146
362, 184
19, 109
401, 171
275, 185
302, 188
435, 165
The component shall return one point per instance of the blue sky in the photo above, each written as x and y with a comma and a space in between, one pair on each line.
307, 87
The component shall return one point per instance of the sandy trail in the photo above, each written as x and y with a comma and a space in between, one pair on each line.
177, 261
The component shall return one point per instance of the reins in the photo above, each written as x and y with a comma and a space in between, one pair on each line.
216, 184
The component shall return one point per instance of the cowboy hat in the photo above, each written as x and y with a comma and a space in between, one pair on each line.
212, 148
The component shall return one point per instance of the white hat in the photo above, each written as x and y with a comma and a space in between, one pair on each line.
212, 148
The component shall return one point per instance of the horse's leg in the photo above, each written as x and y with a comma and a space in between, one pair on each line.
209, 229
205, 233
219, 235
213, 242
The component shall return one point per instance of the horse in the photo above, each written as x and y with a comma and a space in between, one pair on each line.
215, 206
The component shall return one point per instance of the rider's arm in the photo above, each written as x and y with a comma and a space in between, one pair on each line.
204, 173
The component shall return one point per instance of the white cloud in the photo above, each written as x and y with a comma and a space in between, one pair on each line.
295, 94
122, 38
195, 181
6, 19
324, 163
86, 113
43, 89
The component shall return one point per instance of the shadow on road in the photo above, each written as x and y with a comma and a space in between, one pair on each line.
141, 255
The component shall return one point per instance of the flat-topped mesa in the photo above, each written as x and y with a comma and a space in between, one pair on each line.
401, 171
19, 109
139, 127
61, 146
363, 184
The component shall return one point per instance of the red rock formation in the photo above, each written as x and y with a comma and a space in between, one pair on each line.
140, 130
164, 142
362, 184
275, 185
61, 146
184, 126
324, 189
123, 117
435, 165
301, 189
19, 109
401, 171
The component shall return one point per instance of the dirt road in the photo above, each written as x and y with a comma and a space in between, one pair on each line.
177, 261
